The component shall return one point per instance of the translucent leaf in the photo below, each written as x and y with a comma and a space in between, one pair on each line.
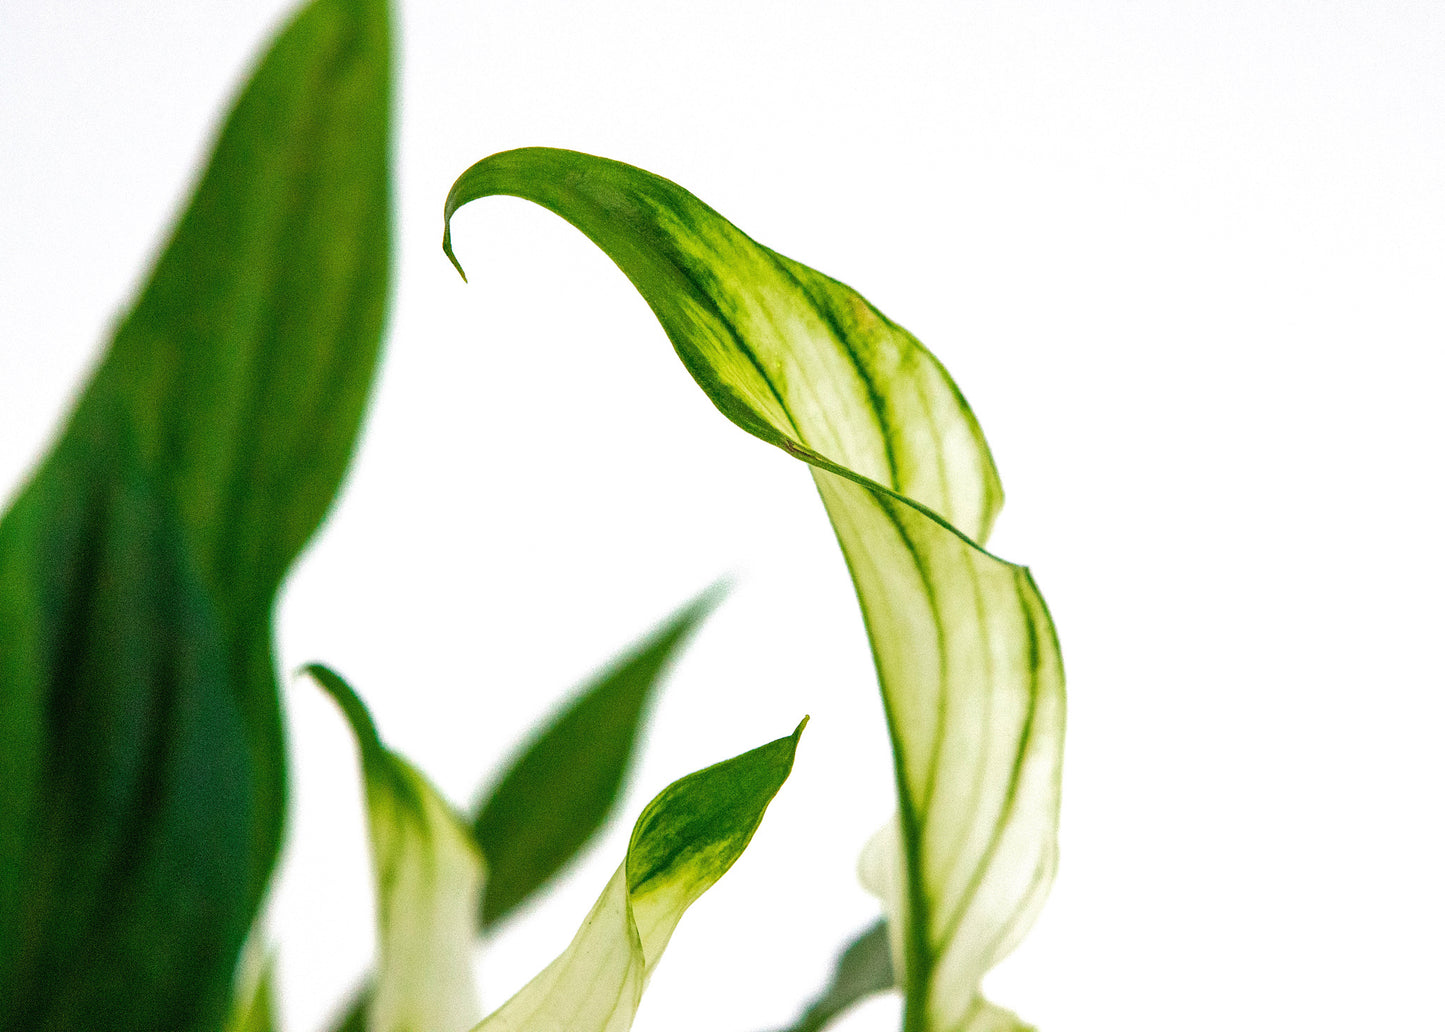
966, 653
428, 874
684, 841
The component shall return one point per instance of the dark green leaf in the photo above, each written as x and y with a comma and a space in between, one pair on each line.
560, 789
864, 968
143, 758
967, 658
121, 898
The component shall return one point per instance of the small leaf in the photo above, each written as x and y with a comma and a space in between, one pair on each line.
141, 740
428, 875
966, 653
863, 969
684, 841
560, 789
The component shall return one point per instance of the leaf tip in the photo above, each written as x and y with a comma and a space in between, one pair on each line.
447, 249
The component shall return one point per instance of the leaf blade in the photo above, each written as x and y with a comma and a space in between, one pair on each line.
558, 791
682, 843
428, 876
232, 389
971, 676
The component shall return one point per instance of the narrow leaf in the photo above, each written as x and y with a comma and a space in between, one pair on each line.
558, 792
141, 746
966, 653
428, 875
684, 841
863, 969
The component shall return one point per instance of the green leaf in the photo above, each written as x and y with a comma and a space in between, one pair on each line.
253, 1005
428, 873
558, 792
966, 652
864, 968
141, 746
684, 841
120, 894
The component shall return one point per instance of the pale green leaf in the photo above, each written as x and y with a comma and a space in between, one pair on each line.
428, 874
684, 841
966, 653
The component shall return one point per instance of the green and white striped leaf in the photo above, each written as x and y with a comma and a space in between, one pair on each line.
428, 874
966, 653
684, 841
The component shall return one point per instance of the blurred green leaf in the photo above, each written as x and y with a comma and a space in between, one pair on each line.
428, 874
122, 907
253, 1005
684, 841
966, 652
140, 726
862, 969
563, 784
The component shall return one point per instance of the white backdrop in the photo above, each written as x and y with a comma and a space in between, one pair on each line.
1184, 259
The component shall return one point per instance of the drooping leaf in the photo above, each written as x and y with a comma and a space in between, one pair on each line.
966, 653
141, 746
684, 841
865, 967
428, 873
557, 793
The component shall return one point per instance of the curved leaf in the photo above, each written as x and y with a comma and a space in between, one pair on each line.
966, 653
428, 875
684, 841
200, 457
556, 794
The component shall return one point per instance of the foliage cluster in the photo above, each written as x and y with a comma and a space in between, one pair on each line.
143, 751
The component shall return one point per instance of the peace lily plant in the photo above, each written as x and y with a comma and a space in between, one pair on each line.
143, 753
